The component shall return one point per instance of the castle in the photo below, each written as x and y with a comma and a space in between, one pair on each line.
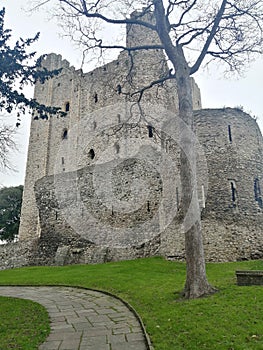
102, 183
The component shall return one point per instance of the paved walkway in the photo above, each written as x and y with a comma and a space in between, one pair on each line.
84, 319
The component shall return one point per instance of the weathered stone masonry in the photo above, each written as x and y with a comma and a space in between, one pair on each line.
103, 183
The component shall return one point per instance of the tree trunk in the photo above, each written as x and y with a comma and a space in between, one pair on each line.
196, 281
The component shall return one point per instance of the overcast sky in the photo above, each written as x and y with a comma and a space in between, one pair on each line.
216, 91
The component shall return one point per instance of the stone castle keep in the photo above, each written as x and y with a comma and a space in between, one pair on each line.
102, 183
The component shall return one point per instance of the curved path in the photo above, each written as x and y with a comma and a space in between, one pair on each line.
84, 319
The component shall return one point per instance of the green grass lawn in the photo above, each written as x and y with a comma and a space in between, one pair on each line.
23, 324
231, 319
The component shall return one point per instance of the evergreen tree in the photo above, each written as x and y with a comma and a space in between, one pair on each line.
10, 207
17, 69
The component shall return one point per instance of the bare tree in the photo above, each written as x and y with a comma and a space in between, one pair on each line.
192, 33
17, 69
7, 145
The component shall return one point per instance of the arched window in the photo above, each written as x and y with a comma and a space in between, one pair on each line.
91, 153
119, 89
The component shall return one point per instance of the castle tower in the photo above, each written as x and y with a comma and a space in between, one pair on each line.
79, 95
45, 137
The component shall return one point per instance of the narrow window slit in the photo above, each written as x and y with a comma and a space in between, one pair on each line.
148, 206
67, 106
150, 130
233, 191
229, 133
65, 134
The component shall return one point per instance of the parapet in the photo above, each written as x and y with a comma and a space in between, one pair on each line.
53, 61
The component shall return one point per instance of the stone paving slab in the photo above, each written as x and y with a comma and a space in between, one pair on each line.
83, 319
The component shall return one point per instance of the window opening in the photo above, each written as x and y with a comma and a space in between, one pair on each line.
65, 134
150, 131
62, 161
67, 106
91, 153
119, 89
229, 133
233, 191
257, 192
117, 147
148, 206
119, 118
96, 98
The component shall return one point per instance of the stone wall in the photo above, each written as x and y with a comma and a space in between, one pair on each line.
102, 202
17, 254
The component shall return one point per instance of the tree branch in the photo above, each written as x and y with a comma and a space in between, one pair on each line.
153, 83
97, 15
217, 20
183, 14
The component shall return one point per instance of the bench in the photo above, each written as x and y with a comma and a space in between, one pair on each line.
249, 277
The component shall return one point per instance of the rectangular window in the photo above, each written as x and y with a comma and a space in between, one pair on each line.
150, 131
